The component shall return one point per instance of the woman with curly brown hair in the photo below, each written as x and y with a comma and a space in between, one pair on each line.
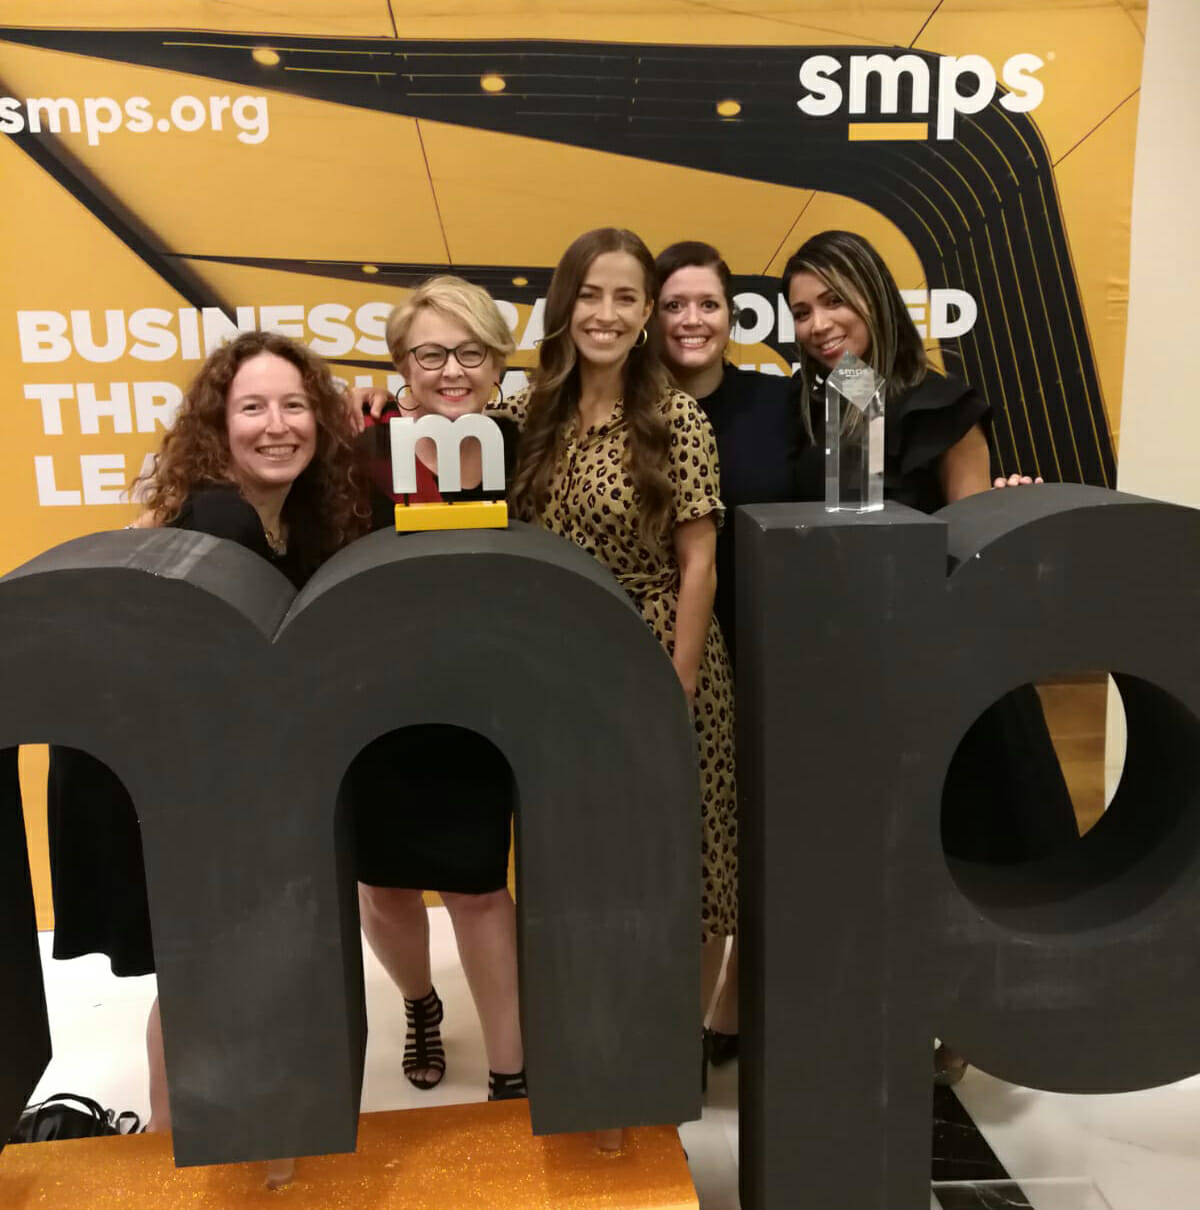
260, 453
615, 459
262, 438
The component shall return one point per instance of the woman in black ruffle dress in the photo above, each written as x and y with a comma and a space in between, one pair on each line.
1005, 799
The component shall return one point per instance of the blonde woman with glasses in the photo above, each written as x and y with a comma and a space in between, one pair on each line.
433, 804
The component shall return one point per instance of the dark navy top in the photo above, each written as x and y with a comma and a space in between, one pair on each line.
758, 436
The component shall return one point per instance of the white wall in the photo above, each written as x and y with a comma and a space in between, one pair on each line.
1159, 452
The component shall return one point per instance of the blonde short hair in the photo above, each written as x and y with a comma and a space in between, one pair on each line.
468, 304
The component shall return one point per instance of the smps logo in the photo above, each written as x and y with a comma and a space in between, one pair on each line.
903, 87
501, 150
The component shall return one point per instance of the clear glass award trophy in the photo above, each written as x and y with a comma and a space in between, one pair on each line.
854, 437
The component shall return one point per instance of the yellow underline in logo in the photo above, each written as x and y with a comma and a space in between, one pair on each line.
863, 132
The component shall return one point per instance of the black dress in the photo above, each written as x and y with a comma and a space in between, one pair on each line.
1005, 799
98, 878
756, 424
432, 805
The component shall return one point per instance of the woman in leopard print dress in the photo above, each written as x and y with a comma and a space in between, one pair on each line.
615, 460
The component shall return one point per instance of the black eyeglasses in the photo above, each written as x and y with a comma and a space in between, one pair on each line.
433, 357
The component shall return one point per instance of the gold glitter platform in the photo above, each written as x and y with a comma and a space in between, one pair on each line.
458, 1157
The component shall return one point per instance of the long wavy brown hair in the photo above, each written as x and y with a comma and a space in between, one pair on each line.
555, 392
326, 506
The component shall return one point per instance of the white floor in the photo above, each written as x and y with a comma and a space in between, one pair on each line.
1140, 1150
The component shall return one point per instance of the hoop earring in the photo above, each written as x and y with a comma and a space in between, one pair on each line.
400, 399
499, 396
643, 339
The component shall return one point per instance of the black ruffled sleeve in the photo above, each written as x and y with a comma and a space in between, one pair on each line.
920, 427
923, 424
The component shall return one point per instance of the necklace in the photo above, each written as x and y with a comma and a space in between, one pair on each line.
276, 540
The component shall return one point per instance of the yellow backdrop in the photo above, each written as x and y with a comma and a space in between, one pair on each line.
317, 219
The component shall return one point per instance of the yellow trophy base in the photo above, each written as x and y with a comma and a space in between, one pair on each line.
456, 1157
442, 514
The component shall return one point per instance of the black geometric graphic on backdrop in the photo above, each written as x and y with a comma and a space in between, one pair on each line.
981, 210
499, 280
54, 157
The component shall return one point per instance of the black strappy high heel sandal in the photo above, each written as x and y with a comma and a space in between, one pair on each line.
423, 1044
948, 1066
503, 1086
720, 1048
716, 1049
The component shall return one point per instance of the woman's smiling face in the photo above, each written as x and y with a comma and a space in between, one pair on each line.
827, 325
694, 317
611, 309
450, 389
270, 422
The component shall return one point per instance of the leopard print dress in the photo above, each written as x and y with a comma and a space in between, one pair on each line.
593, 503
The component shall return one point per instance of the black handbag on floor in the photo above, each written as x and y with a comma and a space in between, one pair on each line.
60, 1117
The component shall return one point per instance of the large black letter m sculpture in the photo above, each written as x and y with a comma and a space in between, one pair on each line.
231, 710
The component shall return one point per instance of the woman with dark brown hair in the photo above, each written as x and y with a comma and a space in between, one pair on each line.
260, 453
615, 459
757, 430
